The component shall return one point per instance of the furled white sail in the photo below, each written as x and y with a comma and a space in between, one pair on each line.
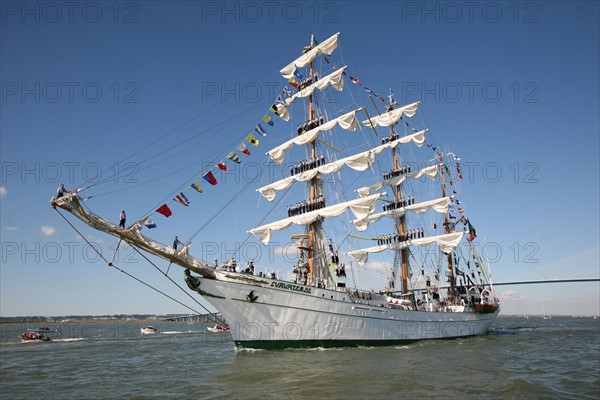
327, 47
391, 117
446, 242
335, 79
358, 162
438, 205
361, 208
430, 172
346, 121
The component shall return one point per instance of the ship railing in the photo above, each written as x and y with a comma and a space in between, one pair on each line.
364, 296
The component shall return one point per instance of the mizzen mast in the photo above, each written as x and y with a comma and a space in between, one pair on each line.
450, 270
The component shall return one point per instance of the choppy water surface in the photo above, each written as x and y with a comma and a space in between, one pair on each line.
521, 358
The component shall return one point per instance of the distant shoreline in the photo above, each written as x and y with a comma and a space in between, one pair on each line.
121, 318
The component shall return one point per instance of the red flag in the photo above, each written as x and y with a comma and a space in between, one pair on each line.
164, 210
434, 225
209, 177
222, 166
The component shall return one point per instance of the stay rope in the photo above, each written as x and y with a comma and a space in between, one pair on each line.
111, 264
179, 286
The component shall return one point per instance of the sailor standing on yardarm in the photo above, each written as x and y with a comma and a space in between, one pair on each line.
60, 192
122, 219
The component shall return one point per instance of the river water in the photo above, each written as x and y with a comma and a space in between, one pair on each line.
520, 359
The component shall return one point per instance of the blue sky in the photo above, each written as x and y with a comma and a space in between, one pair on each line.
513, 88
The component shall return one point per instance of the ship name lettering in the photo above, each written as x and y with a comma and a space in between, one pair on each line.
289, 286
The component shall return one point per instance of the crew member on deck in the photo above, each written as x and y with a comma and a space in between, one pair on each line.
122, 219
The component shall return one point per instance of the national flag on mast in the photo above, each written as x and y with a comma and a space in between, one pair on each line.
182, 199
196, 187
242, 147
233, 157
164, 210
472, 231
210, 178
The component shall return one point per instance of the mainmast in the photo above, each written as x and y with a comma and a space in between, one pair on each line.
401, 222
450, 271
315, 227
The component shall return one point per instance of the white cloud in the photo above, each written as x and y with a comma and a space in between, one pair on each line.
289, 251
49, 230
11, 228
3, 191
379, 265
512, 295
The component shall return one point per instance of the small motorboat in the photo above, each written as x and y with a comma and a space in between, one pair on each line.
149, 330
30, 337
218, 328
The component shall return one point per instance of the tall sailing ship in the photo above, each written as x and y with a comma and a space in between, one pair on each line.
402, 214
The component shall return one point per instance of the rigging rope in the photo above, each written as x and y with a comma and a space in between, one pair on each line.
179, 286
220, 211
174, 146
110, 264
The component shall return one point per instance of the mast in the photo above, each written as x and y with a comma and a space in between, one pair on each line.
312, 195
450, 271
401, 222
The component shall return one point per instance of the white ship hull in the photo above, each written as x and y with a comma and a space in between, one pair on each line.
288, 315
